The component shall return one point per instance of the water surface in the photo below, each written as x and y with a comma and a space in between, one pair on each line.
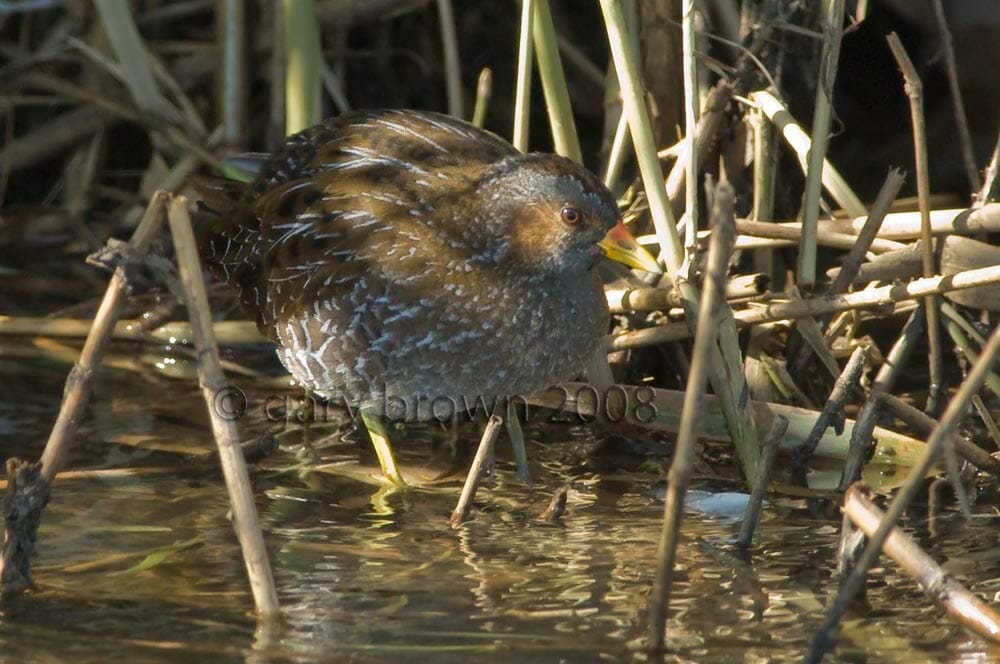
146, 568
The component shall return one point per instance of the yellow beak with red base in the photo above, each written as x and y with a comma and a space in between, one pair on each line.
619, 245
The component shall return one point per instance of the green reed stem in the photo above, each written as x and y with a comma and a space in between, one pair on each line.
302, 70
452, 66
522, 93
232, 73
484, 90
691, 101
557, 100
820, 133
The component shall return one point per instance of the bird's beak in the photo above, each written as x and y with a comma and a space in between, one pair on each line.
619, 245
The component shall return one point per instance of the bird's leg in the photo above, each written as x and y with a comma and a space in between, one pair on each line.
383, 449
517, 442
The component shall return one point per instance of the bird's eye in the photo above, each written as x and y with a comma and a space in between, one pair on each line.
571, 215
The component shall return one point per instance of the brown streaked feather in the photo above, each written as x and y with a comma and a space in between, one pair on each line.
318, 197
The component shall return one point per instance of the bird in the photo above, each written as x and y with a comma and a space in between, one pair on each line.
410, 265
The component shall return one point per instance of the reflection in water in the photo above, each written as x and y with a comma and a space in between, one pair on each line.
147, 567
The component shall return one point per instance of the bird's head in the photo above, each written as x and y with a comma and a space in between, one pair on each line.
552, 215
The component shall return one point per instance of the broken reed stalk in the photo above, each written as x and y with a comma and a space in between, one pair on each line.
824, 640
958, 105
333, 84
691, 102
711, 122
468, 494
954, 315
914, 90
231, 76
115, 473
856, 254
452, 66
213, 384
962, 605
76, 394
832, 413
990, 178
772, 442
833, 29
726, 370
15, 562
525, 65
723, 238
302, 56
826, 304
812, 336
484, 90
554, 87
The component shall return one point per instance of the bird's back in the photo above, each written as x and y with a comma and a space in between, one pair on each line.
337, 192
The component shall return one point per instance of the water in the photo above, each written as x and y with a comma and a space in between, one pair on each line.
145, 568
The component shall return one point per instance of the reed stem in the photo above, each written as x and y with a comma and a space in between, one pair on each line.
452, 65
833, 29
719, 251
550, 69
963, 606
958, 104
914, 90
772, 442
490, 433
213, 383
525, 62
691, 102
302, 71
484, 90
233, 103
